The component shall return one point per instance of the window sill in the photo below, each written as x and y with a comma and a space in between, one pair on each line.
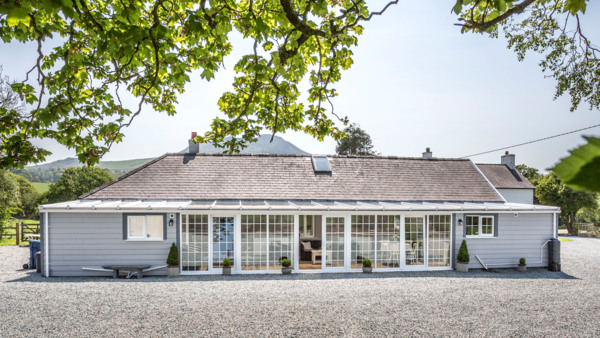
144, 240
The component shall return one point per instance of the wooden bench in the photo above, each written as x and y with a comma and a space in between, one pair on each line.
137, 269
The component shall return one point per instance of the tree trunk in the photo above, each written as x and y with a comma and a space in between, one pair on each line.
571, 223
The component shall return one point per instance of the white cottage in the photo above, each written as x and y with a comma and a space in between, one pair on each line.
325, 213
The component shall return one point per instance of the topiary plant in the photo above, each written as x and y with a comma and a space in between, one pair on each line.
173, 258
463, 253
366, 263
286, 263
226, 262
522, 261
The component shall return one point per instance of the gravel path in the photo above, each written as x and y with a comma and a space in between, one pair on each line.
506, 303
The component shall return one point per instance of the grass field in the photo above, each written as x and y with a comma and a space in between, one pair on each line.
13, 241
41, 187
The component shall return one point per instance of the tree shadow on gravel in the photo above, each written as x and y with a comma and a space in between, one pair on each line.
531, 274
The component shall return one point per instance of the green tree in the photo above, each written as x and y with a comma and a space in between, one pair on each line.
355, 142
75, 182
551, 191
9, 196
531, 174
28, 196
146, 49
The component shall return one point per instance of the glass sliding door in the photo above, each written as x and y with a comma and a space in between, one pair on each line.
254, 242
334, 239
388, 241
439, 236
281, 240
414, 237
194, 243
222, 236
362, 235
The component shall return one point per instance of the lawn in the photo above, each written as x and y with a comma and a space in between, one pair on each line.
12, 240
42, 187
562, 239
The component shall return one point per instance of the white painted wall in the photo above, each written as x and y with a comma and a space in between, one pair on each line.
517, 195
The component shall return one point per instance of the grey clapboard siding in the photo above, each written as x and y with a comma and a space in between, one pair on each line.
521, 236
95, 239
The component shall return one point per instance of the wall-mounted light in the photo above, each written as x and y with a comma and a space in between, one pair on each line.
460, 222
171, 220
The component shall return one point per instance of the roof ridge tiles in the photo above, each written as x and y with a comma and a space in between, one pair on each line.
310, 155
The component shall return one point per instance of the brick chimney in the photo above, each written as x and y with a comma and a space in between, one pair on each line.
508, 160
427, 153
193, 147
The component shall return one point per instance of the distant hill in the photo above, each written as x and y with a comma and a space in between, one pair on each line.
50, 172
261, 146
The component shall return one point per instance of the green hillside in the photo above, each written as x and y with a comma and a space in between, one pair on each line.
41, 186
43, 174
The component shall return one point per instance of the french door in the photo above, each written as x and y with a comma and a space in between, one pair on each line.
414, 231
223, 241
335, 247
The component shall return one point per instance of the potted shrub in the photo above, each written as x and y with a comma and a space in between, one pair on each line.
522, 267
462, 259
173, 261
286, 266
227, 267
367, 265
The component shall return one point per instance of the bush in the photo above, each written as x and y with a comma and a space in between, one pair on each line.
463, 253
522, 261
226, 262
366, 263
286, 263
173, 258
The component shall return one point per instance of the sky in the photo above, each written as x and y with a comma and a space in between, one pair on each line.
416, 82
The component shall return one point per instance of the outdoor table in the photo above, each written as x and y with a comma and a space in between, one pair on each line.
131, 268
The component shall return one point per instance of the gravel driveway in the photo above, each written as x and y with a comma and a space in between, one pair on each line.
506, 303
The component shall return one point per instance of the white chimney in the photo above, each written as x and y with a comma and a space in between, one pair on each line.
193, 147
427, 153
508, 160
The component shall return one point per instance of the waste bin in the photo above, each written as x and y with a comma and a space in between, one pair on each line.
38, 262
34, 246
554, 255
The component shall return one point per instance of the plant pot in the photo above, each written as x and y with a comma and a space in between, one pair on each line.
226, 271
367, 269
462, 267
173, 271
521, 268
286, 271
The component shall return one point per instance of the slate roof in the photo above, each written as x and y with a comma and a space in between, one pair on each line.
291, 177
502, 177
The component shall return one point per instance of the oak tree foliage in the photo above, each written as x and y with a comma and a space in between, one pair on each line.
105, 51
75, 182
355, 142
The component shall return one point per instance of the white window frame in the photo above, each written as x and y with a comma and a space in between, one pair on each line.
145, 238
480, 226
311, 233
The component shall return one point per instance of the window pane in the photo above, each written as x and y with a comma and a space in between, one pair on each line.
413, 231
487, 225
334, 234
223, 241
281, 239
194, 250
363, 239
154, 226
136, 226
388, 241
254, 242
439, 241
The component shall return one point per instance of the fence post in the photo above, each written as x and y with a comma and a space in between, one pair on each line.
17, 233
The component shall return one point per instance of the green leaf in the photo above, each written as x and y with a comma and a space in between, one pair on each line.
575, 6
17, 16
457, 7
581, 170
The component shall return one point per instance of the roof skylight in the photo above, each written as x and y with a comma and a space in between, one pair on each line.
321, 164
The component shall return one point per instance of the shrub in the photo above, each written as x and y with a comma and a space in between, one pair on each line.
286, 263
226, 262
463, 253
173, 258
366, 263
522, 261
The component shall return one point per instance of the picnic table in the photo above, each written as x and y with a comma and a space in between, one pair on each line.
132, 268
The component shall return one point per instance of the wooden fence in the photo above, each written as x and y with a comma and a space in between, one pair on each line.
20, 231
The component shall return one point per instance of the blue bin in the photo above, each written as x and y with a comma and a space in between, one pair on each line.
34, 246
